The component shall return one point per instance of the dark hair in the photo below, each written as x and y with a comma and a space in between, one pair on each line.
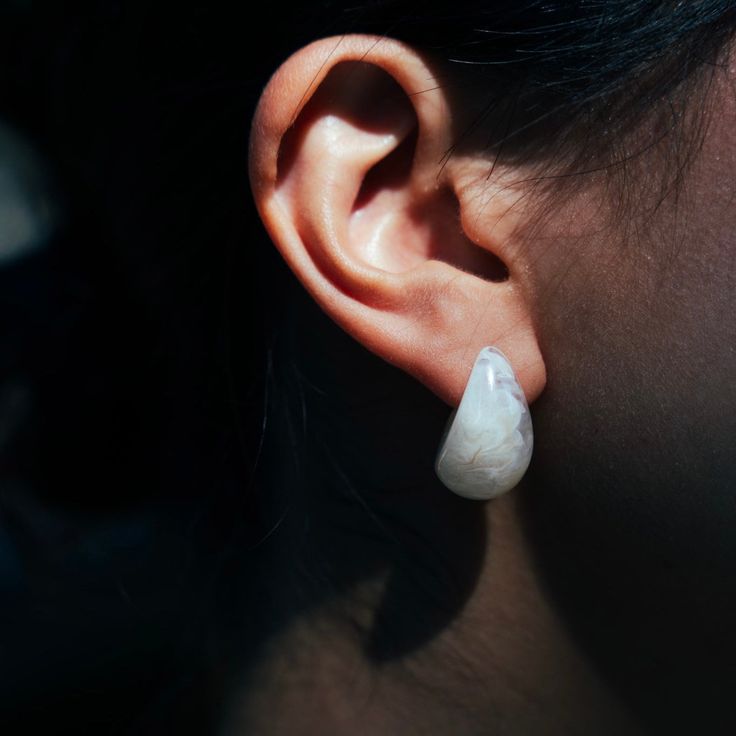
165, 398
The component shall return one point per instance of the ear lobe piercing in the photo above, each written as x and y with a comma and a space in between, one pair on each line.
487, 443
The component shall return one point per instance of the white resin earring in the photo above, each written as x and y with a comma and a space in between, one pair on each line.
487, 444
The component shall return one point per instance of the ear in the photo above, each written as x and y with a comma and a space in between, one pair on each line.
404, 248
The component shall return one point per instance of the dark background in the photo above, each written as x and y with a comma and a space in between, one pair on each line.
130, 416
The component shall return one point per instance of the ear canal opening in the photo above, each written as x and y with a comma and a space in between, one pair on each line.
450, 244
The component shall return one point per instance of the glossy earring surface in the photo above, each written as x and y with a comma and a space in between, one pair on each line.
487, 444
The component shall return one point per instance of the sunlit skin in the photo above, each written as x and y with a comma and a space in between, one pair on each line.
622, 333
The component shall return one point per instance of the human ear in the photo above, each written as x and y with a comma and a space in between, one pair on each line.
350, 174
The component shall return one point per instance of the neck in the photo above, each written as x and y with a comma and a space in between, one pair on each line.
503, 663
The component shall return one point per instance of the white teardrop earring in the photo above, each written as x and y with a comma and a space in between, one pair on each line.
487, 444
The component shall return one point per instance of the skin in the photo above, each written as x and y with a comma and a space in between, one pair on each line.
597, 597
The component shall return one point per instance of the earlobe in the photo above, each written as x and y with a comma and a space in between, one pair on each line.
346, 163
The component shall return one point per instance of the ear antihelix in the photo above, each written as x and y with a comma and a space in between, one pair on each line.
360, 111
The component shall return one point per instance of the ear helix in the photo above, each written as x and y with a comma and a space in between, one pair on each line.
487, 444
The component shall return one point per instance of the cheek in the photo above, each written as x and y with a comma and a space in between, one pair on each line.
632, 503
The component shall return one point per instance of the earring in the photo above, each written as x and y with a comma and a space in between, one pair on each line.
487, 443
